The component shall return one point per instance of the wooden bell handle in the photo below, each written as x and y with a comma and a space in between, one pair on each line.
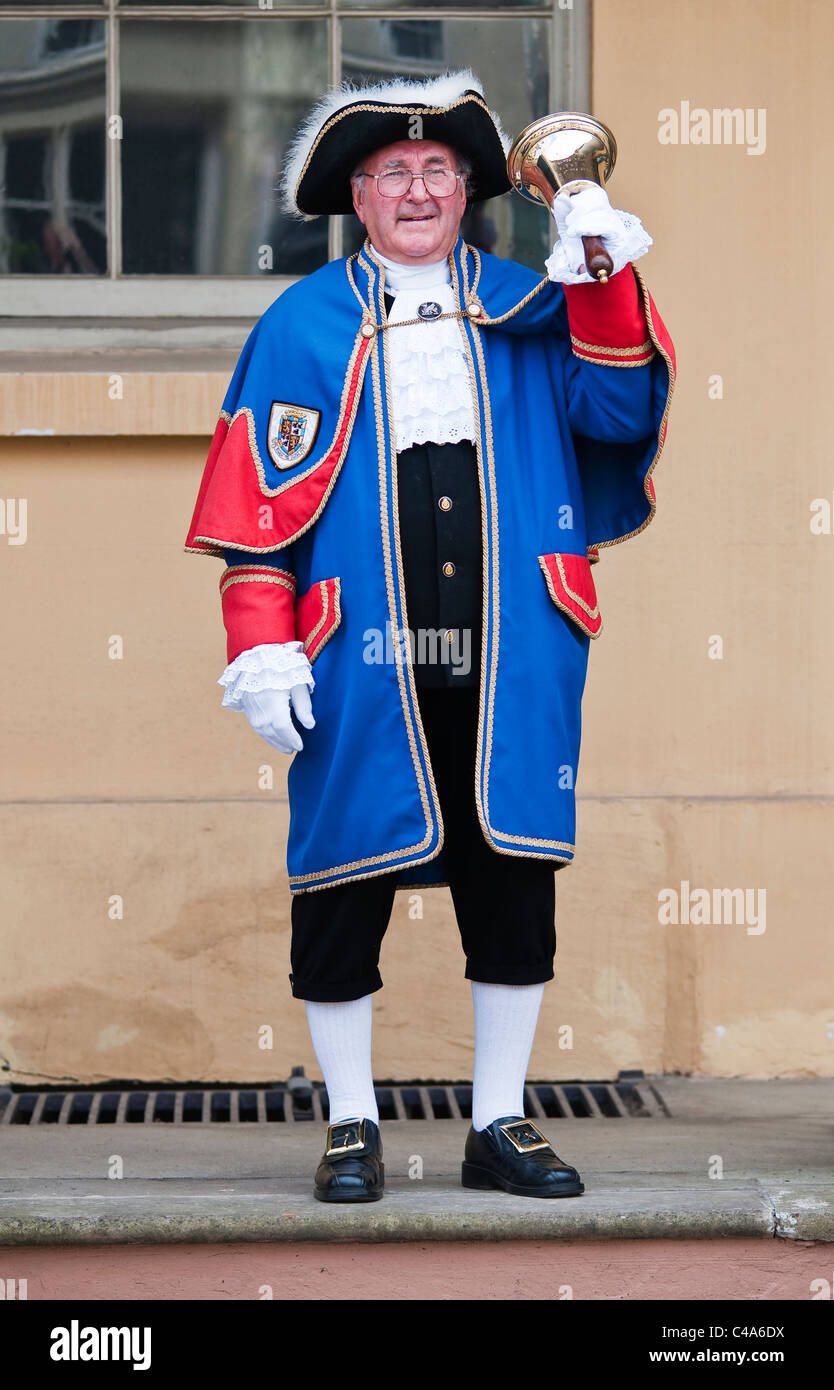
597, 259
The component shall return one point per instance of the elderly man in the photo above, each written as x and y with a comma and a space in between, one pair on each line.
421, 453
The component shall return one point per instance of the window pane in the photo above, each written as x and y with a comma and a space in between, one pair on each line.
262, 6
437, 4
208, 110
52, 147
511, 59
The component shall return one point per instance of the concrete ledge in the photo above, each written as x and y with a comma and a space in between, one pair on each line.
644, 1179
436, 1213
803, 1212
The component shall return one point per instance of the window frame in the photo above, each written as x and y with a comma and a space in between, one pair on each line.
116, 297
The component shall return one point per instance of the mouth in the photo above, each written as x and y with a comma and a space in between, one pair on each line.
422, 217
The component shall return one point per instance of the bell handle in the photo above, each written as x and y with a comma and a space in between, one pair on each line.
597, 259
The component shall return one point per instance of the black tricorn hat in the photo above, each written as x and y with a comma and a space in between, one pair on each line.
350, 122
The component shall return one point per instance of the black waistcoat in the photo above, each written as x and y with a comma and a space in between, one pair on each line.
440, 539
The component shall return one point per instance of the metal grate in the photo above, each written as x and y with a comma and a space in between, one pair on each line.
631, 1096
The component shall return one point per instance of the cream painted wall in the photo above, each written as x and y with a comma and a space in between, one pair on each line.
126, 777
734, 755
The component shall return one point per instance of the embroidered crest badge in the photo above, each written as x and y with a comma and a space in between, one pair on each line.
291, 433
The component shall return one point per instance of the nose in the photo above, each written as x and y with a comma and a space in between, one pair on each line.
418, 181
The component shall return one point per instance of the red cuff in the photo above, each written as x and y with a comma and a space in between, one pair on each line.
607, 322
258, 606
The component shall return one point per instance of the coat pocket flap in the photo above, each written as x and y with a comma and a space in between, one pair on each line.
317, 615
571, 586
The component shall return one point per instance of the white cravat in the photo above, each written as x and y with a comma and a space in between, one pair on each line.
430, 382
402, 277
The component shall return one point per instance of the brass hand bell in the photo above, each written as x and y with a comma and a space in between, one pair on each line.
566, 151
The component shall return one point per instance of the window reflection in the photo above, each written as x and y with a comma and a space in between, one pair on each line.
208, 111
510, 56
208, 107
263, 5
434, 4
52, 147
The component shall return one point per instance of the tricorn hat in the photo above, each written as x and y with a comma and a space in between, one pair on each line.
350, 122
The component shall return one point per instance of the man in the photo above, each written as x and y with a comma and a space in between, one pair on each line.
422, 450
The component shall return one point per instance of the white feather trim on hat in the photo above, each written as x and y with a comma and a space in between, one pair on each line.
433, 91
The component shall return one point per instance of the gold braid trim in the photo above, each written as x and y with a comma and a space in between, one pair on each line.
487, 684
309, 640
642, 350
477, 257
282, 577
408, 676
593, 613
343, 872
502, 318
352, 281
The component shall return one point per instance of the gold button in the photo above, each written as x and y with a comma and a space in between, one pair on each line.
367, 330
445, 504
474, 309
448, 569
449, 635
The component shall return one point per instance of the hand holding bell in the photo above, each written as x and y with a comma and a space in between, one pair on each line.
561, 156
584, 207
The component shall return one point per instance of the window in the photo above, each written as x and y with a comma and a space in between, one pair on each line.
416, 38
141, 142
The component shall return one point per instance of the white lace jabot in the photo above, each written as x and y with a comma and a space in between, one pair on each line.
430, 385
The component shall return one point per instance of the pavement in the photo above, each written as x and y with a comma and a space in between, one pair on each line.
732, 1158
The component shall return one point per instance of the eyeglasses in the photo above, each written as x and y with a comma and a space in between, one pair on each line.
394, 183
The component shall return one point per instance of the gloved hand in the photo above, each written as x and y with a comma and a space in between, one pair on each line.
589, 213
268, 711
262, 681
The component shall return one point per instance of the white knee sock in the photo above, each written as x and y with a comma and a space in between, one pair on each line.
341, 1034
505, 1025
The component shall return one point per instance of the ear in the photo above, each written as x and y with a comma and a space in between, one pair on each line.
356, 194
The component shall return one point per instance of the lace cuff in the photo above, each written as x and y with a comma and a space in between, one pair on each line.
270, 666
624, 237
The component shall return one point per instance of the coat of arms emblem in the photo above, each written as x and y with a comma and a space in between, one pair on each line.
291, 433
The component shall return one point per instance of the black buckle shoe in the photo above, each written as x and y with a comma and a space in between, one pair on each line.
513, 1154
351, 1168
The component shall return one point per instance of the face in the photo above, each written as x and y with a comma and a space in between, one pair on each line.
418, 227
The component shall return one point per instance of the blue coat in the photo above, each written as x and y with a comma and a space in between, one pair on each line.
298, 496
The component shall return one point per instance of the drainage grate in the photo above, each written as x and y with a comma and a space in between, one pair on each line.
631, 1096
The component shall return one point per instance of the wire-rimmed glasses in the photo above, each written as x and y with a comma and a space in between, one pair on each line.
395, 183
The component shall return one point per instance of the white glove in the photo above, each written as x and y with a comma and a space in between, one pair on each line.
268, 711
589, 213
262, 681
